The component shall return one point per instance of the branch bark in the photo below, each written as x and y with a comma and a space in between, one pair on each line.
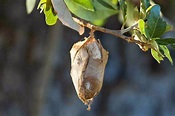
117, 33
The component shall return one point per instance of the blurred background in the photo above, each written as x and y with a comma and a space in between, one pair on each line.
35, 69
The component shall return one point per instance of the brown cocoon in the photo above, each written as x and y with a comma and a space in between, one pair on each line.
88, 61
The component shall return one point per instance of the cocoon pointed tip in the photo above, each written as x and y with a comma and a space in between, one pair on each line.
88, 61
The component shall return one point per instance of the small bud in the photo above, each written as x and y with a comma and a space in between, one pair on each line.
88, 61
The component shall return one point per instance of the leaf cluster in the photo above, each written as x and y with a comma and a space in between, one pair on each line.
151, 27
147, 29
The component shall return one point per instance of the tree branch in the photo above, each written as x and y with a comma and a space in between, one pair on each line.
117, 33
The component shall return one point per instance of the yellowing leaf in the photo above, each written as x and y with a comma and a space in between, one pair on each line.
40, 3
156, 56
141, 25
50, 17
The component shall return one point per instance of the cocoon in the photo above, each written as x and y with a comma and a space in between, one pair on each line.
88, 61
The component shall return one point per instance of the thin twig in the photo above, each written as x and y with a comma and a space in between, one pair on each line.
117, 33
129, 28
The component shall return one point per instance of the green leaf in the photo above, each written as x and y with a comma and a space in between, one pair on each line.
99, 22
130, 20
141, 25
155, 51
142, 28
41, 3
87, 4
156, 56
50, 17
144, 4
101, 12
114, 1
166, 53
166, 41
168, 27
155, 25
123, 8
136, 14
30, 4
139, 36
155, 45
108, 4
173, 46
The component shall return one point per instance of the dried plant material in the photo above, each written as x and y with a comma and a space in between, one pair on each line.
88, 61
65, 16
